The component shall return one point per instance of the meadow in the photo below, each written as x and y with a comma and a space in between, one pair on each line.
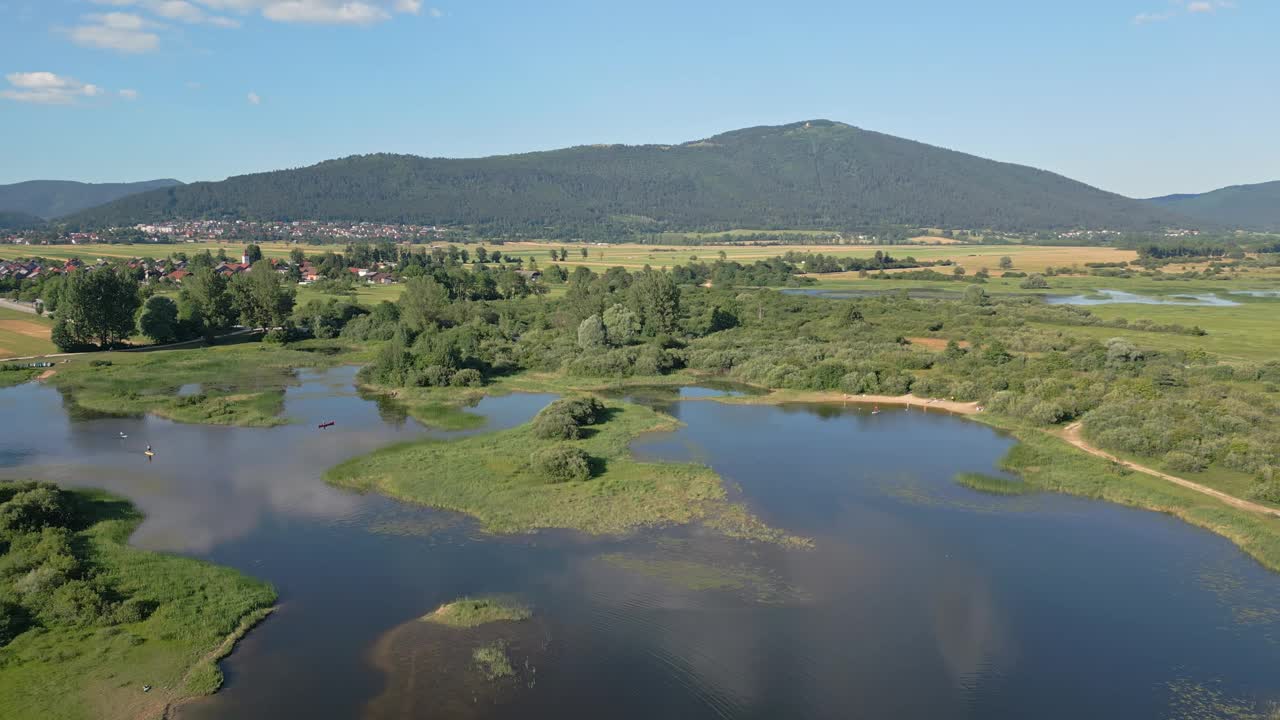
23, 334
189, 615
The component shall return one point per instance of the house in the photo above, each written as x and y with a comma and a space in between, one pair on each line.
530, 275
177, 275
380, 279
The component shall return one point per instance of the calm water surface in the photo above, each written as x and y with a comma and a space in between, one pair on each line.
922, 599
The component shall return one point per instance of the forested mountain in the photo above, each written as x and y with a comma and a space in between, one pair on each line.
55, 198
1252, 207
816, 174
18, 220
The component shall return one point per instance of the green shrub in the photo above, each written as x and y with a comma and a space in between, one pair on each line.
561, 463
467, 377
555, 426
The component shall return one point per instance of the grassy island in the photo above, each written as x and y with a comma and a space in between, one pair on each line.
92, 628
498, 478
234, 384
473, 612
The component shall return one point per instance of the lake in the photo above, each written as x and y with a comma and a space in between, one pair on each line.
921, 599
1119, 297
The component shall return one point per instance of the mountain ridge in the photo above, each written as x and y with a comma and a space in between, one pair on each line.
814, 174
50, 199
1253, 206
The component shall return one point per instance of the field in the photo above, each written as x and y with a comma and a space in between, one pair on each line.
1027, 258
23, 334
91, 252
634, 256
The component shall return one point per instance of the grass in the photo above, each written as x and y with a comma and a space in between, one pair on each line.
992, 485
239, 384
69, 673
487, 476
24, 334
473, 612
491, 659
1048, 463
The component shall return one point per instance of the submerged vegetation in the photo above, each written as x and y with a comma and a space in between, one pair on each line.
492, 660
992, 485
472, 612
86, 621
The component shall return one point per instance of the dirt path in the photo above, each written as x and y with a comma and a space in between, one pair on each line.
20, 307
1073, 434
960, 408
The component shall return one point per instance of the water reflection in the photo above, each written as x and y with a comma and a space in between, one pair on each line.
1119, 297
922, 599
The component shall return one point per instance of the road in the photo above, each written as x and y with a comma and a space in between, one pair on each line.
20, 307
1074, 435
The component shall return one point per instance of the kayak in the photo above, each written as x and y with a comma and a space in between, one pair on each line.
148, 453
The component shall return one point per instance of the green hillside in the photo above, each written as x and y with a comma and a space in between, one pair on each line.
1252, 207
55, 198
816, 174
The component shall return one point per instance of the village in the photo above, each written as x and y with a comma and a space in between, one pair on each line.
175, 270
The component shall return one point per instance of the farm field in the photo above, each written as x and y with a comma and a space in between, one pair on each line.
23, 334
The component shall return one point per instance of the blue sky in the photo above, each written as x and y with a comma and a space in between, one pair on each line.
1142, 97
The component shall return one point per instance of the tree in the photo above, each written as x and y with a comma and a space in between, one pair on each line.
482, 255
253, 253
1035, 282
159, 319
584, 252
655, 298
205, 304
975, 295
591, 333
621, 326
423, 303
1006, 263
297, 256
98, 306
261, 297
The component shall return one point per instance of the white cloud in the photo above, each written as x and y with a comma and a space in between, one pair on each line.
124, 32
334, 12
1184, 7
128, 94
321, 11
436, 13
254, 99
193, 85
47, 88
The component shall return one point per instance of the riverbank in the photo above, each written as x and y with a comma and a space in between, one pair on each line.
152, 640
491, 477
1045, 460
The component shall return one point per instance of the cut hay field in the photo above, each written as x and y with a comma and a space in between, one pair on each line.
23, 334
1026, 258
91, 252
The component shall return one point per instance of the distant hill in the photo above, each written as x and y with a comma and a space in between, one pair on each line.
1251, 207
18, 221
817, 174
55, 198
